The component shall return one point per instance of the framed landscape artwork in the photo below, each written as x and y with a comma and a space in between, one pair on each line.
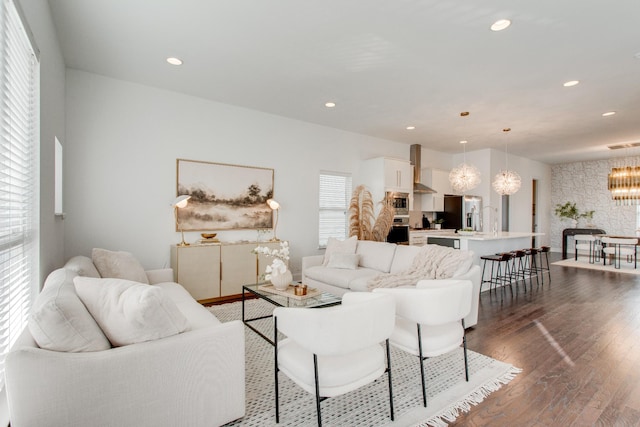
224, 197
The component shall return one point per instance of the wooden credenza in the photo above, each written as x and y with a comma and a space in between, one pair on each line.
214, 272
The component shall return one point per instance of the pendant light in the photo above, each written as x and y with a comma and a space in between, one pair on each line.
506, 182
465, 177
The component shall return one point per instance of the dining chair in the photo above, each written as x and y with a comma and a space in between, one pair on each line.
590, 243
430, 320
617, 247
331, 351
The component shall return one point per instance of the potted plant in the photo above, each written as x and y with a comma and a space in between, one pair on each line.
569, 210
437, 223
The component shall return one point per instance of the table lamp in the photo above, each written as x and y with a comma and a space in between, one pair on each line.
275, 206
179, 203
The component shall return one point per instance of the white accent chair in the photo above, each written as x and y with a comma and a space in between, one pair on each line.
619, 247
332, 351
589, 243
430, 320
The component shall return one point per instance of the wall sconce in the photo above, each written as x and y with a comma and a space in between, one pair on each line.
274, 206
179, 203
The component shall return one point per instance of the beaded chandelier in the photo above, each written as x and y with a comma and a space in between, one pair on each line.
506, 182
464, 177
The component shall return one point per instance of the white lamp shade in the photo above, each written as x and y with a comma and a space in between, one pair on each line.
273, 204
181, 201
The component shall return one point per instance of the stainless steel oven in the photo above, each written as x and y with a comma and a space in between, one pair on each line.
400, 202
399, 232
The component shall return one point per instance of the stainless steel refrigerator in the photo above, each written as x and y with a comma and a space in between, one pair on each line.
462, 212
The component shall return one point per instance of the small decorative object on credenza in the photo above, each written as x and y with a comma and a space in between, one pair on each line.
278, 271
208, 238
179, 203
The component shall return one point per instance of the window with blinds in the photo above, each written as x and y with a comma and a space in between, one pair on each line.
18, 177
335, 193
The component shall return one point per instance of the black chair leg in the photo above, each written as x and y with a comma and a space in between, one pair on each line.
389, 378
464, 346
315, 371
421, 359
275, 358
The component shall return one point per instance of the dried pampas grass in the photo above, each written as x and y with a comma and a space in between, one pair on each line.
362, 220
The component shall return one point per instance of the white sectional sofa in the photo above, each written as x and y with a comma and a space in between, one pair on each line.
191, 378
374, 259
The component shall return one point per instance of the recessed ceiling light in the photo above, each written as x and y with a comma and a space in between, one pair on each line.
174, 61
411, 127
571, 83
330, 104
501, 24
608, 113
463, 142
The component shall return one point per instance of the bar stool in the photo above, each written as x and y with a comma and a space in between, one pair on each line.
531, 264
499, 276
544, 262
517, 268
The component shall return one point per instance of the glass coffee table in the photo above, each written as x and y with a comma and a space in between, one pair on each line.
315, 299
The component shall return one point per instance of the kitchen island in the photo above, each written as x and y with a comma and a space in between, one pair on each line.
480, 243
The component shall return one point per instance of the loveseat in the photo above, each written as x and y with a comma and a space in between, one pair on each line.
64, 370
351, 265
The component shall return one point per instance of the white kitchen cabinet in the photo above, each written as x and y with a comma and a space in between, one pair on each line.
398, 175
418, 238
383, 174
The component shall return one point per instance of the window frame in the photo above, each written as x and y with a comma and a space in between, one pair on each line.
340, 207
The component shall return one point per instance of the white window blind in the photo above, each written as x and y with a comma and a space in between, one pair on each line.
18, 177
335, 193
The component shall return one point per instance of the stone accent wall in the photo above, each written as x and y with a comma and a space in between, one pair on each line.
585, 183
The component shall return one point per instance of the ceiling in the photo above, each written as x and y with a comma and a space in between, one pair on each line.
387, 64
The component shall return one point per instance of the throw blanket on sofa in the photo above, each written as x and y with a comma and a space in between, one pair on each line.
432, 262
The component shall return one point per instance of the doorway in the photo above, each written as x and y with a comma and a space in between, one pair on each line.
534, 213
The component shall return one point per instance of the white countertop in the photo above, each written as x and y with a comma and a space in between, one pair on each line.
451, 234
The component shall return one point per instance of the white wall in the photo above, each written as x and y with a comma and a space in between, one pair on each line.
123, 140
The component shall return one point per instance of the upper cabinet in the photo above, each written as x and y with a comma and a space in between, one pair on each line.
398, 175
383, 174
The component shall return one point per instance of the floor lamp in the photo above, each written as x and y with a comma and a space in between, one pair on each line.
179, 203
275, 206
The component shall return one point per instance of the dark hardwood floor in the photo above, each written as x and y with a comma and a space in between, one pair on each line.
577, 341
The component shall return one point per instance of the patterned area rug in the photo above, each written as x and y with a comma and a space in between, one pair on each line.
448, 393
583, 262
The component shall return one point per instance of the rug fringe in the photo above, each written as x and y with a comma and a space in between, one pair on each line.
452, 412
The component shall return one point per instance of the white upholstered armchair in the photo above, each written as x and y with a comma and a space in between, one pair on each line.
430, 319
332, 351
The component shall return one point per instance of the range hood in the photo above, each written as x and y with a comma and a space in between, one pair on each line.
416, 161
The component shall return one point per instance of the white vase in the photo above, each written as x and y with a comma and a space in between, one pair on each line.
574, 223
281, 281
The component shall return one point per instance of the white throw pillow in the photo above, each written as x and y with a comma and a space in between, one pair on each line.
59, 320
82, 265
130, 312
347, 246
346, 261
118, 265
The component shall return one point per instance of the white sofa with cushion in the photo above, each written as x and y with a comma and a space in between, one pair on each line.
351, 264
117, 352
